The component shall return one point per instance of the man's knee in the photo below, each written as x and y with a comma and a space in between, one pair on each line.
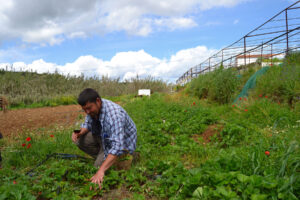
124, 162
76, 142
99, 159
89, 144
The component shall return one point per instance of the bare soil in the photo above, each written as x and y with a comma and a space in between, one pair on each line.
208, 133
19, 121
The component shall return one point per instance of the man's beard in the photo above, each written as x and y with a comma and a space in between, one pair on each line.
94, 116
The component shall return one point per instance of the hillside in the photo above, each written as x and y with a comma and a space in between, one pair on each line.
280, 83
27, 88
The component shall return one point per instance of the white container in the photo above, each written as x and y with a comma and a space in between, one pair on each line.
144, 92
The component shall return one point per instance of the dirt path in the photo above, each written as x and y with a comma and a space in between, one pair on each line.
17, 121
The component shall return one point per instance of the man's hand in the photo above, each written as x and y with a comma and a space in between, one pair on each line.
98, 178
75, 136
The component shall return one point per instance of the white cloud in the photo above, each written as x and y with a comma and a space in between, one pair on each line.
79, 34
49, 34
11, 54
212, 23
208, 4
175, 23
236, 21
53, 21
124, 64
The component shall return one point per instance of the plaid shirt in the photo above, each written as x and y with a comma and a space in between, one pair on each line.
118, 131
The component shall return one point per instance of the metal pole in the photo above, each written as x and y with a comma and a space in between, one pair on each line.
199, 70
261, 54
222, 56
235, 62
245, 50
271, 54
287, 31
249, 58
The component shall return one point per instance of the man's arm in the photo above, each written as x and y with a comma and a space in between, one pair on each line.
85, 128
75, 136
83, 131
109, 161
116, 149
98, 177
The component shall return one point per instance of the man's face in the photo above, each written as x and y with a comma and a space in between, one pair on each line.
92, 108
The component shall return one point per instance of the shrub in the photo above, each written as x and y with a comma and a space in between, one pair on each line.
27, 88
282, 83
219, 85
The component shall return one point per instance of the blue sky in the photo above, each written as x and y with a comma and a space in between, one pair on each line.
124, 38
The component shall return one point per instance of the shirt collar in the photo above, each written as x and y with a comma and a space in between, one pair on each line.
102, 111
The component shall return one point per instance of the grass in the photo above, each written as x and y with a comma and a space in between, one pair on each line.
28, 89
222, 86
218, 86
254, 155
282, 83
172, 164
65, 100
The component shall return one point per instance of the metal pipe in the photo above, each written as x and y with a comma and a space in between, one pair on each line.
262, 48
271, 54
233, 51
245, 50
287, 32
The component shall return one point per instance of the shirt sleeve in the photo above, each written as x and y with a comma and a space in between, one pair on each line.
117, 140
86, 124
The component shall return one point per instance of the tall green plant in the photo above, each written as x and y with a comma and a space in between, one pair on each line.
282, 83
219, 85
26, 88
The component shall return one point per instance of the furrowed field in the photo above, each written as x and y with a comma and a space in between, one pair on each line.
193, 144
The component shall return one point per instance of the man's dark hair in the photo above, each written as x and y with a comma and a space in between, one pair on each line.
88, 95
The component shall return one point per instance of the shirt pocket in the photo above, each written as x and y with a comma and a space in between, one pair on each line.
107, 141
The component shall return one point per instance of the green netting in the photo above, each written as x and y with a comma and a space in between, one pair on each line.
251, 83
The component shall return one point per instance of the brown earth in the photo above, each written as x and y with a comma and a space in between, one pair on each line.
119, 193
208, 133
18, 121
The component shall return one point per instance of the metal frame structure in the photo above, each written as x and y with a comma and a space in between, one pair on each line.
275, 38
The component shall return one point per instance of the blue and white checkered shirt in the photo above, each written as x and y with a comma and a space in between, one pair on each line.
118, 131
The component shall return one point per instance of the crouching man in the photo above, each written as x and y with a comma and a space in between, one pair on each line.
108, 133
